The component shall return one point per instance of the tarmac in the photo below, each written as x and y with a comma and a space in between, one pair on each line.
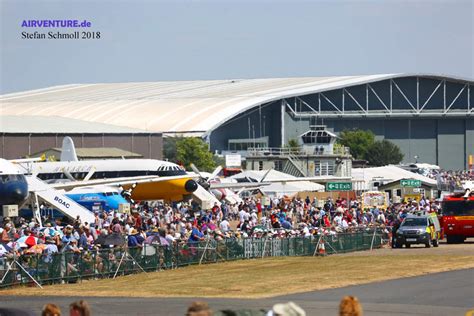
447, 293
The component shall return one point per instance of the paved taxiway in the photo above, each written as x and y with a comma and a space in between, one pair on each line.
447, 293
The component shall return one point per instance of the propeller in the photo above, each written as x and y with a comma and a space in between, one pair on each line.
203, 181
196, 170
127, 194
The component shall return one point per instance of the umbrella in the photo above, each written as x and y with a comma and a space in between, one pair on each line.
111, 240
100, 240
153, 239
28, 240
4, 249
36, 249
49, 231
15, 245
164, 241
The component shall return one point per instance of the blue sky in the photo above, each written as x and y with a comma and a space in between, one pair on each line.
191, 40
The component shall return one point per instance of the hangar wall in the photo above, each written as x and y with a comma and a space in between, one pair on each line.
13, 146
443, 141
446, 142
428, 117
258, 122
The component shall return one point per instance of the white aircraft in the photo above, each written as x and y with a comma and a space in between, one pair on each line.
141, 179
145, 179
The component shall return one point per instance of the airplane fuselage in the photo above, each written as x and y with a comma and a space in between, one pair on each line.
172, 190
92, 199
13, 185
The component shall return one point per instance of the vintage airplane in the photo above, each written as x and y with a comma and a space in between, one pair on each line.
100, 198
13, 185
144, 179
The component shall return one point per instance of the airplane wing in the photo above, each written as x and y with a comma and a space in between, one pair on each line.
239, 185
114, 181
26, 160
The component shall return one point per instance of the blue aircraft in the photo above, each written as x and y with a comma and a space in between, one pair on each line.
13, 185
98, 198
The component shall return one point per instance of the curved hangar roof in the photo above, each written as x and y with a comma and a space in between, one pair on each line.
168, 106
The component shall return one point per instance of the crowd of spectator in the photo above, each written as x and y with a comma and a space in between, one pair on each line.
450, 180
166, 224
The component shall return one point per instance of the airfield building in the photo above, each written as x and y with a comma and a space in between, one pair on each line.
428, 116
34, 136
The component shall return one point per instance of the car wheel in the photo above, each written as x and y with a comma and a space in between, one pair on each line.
450, 239
408, 245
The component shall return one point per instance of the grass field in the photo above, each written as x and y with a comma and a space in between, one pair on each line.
260, 278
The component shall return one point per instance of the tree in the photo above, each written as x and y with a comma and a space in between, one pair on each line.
293, 145
194, 150
358, 141
384, 152
169, 148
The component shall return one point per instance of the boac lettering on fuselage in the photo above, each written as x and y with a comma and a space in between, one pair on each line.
60, 201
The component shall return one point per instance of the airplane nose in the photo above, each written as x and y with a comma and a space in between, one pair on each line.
190, 186
19, 194
13, 193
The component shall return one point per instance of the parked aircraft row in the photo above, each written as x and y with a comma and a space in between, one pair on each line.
111, 181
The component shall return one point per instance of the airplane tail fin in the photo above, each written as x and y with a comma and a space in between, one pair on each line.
68, 151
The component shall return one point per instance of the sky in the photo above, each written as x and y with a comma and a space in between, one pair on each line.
191, 40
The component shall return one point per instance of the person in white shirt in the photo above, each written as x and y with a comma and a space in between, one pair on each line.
246, 216
224, 226
254, 218
338, 219
242, 215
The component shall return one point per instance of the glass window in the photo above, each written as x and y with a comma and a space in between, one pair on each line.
455, 208
278, 165
413, 221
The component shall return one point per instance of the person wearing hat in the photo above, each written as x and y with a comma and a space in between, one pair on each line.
50, 249
133, 241
288, 309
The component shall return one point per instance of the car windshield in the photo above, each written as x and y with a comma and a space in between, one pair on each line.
414, 222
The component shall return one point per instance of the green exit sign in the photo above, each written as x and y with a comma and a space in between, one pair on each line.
339, 186
410, 183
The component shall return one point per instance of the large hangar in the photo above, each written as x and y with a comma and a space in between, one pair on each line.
25, 136
428, 116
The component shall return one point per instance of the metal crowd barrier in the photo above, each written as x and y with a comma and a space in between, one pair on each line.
106, 263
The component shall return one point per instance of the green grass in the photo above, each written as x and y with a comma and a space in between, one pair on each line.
259, 278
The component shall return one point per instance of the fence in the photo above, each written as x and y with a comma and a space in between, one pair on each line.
105, 263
